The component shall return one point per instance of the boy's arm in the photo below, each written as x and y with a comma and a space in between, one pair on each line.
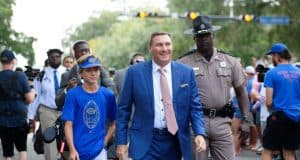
110, 132
69, 137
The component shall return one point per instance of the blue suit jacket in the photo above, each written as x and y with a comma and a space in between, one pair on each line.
138, 90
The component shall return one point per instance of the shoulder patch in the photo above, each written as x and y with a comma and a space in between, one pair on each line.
188, 53
223, 52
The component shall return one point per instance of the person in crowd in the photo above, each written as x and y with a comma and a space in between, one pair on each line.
252, 86
120, 74
15, 95
72, 78
87, 108
260, 104
282, 85
166, 102
216, 72
44, 105
68, 62
119, 80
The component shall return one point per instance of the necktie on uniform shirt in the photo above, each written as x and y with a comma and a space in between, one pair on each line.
167, 103
56, 85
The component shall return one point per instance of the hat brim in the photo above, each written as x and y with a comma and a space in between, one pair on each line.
269, 53
89, 66
191, 31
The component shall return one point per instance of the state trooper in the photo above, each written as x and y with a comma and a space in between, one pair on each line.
216, 72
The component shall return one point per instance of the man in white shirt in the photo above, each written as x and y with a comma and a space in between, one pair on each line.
44, 105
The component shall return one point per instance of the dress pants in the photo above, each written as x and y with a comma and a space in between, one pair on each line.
164, 146
47, 118
219, 140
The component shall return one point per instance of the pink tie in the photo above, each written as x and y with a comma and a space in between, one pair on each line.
167, 102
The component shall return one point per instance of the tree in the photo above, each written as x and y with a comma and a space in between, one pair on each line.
248, 39
115, 40
94, 27
18, 42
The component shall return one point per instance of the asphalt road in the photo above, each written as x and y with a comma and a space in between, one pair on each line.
245, 155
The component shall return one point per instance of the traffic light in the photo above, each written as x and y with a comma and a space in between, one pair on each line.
248, 17
142, 14
192, 15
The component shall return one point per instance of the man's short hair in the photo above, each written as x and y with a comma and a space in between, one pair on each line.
135, 55
77, 43
157, 34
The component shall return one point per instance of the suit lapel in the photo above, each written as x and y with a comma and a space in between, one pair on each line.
175, 82
149, 80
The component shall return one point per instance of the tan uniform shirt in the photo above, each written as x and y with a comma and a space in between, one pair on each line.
215, 78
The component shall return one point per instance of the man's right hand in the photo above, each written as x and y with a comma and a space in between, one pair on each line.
31, 125
73, 155
122, 152
72, 83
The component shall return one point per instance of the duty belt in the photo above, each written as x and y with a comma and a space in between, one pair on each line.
214, 112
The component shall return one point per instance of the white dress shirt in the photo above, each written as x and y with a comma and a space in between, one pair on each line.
159, 113
45, 90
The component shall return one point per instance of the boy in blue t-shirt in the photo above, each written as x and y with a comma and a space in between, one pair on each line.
86, 110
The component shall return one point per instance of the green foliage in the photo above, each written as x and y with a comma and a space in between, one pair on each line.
115, 41
94, 27
249, 39
11, 39
125, 38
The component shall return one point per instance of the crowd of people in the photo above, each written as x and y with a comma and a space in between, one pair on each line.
205, 104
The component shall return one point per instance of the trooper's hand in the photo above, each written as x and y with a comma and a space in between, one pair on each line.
122, 152
72, 83
200, 143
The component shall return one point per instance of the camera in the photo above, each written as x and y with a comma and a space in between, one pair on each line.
261, 72
31, 73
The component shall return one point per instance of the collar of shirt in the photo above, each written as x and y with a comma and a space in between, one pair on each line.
215, 57
156, 67
49, 72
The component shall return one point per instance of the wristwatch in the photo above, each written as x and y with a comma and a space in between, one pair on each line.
246, 118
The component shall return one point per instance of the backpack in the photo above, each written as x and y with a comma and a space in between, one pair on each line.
38, 144
8, 88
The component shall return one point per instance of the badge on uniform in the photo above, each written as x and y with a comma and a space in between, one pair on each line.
196, 68
223, 64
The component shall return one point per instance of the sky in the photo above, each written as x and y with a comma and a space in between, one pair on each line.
48, 20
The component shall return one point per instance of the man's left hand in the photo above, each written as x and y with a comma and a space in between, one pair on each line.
200, 143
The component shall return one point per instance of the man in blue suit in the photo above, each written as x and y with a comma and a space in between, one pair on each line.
160, 125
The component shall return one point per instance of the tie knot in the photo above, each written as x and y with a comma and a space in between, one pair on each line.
161, 71
55, 71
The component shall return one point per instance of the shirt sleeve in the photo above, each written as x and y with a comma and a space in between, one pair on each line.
112, 108
268, 83
69, 107
32, 108
238, 76
25, 84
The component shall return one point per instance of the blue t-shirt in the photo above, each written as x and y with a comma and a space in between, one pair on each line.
89, 113
285, 81
13, 112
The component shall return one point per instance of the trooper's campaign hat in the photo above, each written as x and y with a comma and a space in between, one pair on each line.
202, 25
